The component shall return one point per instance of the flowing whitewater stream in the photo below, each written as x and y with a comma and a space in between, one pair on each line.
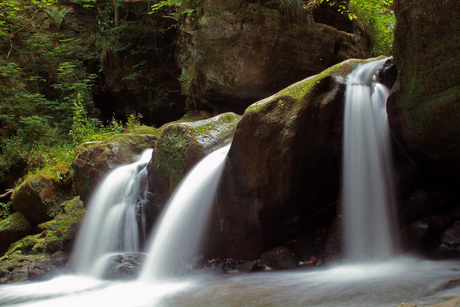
372, 275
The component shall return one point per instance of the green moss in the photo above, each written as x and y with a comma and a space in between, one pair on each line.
430, 82
182, 143
170, 160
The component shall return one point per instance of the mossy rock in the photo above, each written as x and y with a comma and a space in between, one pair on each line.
55, 234
424, 106
94, 159
13, 228
283, 167
19, 267
181, 145
39, 196
42, 255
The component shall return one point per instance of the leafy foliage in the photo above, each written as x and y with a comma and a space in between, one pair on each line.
375, 16
6, 208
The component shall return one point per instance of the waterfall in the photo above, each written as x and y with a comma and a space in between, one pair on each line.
180, 228
367, 184
110, 224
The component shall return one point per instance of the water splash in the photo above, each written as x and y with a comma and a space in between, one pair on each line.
367, 182
110, 224
180, 228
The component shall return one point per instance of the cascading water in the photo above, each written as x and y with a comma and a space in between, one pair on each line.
367, 198
180, 228
110, 224
367, 186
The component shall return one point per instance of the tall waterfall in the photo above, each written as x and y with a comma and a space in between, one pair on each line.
179, 230
111, 222
367, 184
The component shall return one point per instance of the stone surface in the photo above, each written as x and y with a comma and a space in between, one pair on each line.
423, 106
124, 267
95, 159
279, 258
13, 228
39, 196
283, 167
421, 235
449, 243
237, 52
181, 145
55, 235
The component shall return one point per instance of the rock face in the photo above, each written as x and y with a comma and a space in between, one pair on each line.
237, 52
283, 167
181, 145
94, 159
13, 228
424, 104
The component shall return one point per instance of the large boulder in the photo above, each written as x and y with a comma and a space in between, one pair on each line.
13, 228
236, 52
283, 167
423, 106
39, 196
95, 159
181, 145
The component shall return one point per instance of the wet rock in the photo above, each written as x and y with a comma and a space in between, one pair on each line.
450, 303
236, 52
423, 105
421, 235
250, 266
449, 243
183, 144
13, 228
95, 159
279, 258
124, 267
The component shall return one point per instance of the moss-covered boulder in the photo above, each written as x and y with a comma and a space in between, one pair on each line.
94, 159
424, 106
39, 196
13, 228
282, 174
181, 145
237, 52
56, 234
42, 255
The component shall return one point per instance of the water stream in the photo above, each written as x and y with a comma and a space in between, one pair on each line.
374, 275
111, 224
367, 179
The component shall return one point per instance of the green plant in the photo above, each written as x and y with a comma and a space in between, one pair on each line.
6, 209
134, 121
376, 16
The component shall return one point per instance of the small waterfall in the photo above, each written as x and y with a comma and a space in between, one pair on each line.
110, 224
367, 180
179, 230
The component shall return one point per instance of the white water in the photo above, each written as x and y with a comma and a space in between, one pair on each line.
180, 228
367, 179
110, 224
